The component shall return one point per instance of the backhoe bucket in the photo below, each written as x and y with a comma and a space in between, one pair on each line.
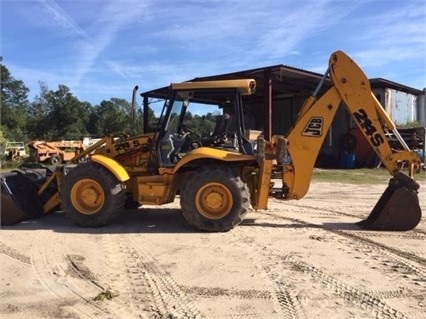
398, 208
19, 198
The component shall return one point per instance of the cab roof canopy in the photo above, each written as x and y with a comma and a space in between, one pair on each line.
285, 81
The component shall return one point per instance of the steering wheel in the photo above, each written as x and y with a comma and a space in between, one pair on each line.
190, 143
185, 130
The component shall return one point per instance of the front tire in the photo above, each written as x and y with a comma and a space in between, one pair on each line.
214, 199
91, 195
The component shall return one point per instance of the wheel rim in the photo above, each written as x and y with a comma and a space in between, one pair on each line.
87, 196
213, 201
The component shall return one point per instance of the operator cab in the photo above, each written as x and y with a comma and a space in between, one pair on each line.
200, 114
173, 136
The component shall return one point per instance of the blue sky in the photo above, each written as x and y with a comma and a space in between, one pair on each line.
102, 48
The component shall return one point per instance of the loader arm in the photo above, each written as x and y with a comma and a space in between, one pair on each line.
398, 208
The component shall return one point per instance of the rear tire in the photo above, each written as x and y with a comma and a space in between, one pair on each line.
214, 199
55, 160
91, 195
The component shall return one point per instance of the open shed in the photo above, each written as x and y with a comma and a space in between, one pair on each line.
280, 93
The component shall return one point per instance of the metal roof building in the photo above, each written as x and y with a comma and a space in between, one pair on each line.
281, 91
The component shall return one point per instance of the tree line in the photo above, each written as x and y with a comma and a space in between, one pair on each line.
59, 115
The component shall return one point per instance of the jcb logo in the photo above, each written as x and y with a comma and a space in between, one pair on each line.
314, 127
376, 139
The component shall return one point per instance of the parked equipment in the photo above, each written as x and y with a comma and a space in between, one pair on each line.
217, 178
54, 152
15, 151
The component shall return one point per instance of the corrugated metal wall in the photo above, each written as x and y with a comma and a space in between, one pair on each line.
402, 107
421, 104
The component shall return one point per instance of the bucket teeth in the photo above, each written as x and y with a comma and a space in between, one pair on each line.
398, 208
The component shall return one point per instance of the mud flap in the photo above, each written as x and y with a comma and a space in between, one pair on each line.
398, 208
19, 198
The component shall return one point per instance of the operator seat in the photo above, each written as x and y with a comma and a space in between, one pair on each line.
222, 122
218, 135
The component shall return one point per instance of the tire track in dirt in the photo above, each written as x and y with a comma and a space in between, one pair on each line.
52, 268
363, 298
122, 277
396, 263
168, 297
214, 292
290, 305
15, 254
406, 259
154, 291
287, 303
413, 234
410, 261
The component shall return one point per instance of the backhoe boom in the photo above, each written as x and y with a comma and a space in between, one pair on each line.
398, 208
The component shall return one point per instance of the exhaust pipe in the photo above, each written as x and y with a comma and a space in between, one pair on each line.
398, 208
133, 111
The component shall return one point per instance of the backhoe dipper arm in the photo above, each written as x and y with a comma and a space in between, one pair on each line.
354, 88
351, 86
398, 208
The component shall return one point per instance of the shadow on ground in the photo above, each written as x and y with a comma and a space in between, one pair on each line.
146, 220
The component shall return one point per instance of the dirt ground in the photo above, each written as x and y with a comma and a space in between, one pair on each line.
299, 259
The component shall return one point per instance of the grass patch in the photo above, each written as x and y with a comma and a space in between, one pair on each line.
352, 176
105, 295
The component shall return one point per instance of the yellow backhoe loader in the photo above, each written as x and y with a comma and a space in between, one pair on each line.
219, 176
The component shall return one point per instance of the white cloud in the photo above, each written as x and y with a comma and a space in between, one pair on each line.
114, 44
105, 27
60, 18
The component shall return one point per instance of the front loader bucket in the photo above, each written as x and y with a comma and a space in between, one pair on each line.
19, 198
11, 213
398, 208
